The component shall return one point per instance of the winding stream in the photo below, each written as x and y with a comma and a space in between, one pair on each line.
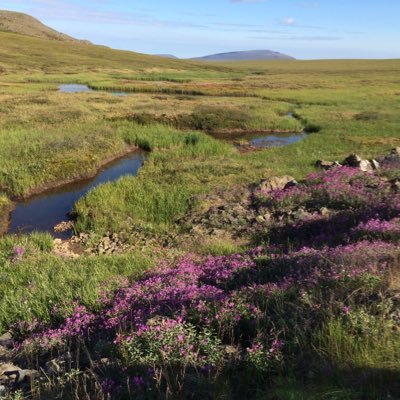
43, 211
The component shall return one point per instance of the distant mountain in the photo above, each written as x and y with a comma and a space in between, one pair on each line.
166, 55
252, 55
24, 24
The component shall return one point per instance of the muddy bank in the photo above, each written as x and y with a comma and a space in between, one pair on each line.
5, 217
78, 178
235, 134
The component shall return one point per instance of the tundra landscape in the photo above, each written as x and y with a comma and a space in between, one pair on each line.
187, 229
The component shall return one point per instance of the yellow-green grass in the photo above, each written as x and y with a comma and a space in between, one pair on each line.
24, 53
47, 136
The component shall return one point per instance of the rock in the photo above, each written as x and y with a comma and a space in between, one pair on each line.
375, 164
274, 183
326, 165
395, 152
64, 226
260, 219
30, 374
3, 391
267, 216
353, 160
365, 166
11, 374
290, 184
324, 211
7, 340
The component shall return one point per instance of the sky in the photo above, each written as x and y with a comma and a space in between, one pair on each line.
316, 29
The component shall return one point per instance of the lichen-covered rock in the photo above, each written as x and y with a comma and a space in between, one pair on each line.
326, 165
274, 183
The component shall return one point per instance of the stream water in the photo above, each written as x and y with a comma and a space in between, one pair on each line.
76, 88
43, 211
277, 140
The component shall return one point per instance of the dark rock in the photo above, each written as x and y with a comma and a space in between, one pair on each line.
353, 160
291, 184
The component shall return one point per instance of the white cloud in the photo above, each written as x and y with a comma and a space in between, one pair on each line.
288, 21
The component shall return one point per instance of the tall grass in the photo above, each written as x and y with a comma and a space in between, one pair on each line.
43, 287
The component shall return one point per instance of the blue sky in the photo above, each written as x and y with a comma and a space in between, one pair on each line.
304, 29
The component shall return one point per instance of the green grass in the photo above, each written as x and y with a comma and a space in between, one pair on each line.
45, 287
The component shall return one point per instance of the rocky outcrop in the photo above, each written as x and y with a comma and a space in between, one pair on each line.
276, 182
353, 160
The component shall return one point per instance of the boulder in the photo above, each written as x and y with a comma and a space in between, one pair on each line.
9, 373
274, 183
353, 160
365, 166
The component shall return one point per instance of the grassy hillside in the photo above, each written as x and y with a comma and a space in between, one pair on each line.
23, 53
11, 21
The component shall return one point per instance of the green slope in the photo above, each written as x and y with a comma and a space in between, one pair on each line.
24, 53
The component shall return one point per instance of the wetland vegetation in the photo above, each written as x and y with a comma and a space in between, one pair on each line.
287, 308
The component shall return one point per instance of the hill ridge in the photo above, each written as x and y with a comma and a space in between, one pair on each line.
24, 24
247, 55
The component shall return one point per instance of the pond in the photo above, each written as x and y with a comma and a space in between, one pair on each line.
76, 88
277, 140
